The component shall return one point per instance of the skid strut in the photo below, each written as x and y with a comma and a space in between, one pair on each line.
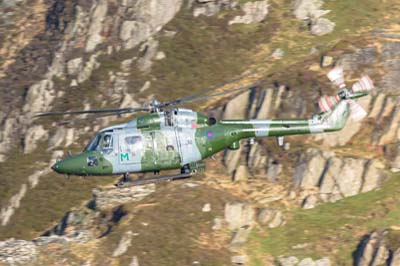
155, 179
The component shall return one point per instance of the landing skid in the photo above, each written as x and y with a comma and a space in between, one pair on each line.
129, 182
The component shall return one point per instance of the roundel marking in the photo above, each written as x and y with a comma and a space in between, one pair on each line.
210, 134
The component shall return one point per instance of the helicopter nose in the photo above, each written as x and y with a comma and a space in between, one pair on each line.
56, 167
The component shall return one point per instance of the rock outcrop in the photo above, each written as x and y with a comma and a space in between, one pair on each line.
104, 199
375, 249
322, 176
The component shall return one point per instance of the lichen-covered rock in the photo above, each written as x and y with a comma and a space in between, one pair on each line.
322, 26
238, 215
372, 250
149, 17
104, 199
94, 34
309, 9
254, 12
327, 178
240, 237
17, 252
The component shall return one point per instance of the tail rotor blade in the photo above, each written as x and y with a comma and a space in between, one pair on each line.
357, 112
328, 103
364, 84
337, 77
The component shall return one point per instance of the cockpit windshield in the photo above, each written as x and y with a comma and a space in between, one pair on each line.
94, 144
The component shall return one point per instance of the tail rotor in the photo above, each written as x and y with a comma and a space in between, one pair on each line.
361, 88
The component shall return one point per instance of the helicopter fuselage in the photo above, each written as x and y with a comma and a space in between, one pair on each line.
172, 139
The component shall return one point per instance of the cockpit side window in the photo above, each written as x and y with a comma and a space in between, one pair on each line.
94, 144
107, 144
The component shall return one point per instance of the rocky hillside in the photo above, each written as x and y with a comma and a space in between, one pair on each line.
320, 200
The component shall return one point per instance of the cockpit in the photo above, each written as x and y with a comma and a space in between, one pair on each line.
102, 142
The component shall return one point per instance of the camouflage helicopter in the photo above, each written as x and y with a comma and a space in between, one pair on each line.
181, 138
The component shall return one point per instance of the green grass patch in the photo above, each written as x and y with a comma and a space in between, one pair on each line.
332, 229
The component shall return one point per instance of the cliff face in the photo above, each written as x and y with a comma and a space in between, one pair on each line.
64, 55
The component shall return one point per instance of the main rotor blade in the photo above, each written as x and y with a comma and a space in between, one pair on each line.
199, 98
191, 98
98, 111
93, 117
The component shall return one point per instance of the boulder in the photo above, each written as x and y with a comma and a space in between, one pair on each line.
239, 259
306, 262
238, 215
322, 26
208, 8
266, 215
326, 61
309, 9
277, 220
288, 261
206, 207
277, 54
254, 12
323, 262
310, 201
217, 224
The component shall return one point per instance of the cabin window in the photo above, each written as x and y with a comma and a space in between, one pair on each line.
133, 143
133, 140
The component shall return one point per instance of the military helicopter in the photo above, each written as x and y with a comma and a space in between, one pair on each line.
179, 138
